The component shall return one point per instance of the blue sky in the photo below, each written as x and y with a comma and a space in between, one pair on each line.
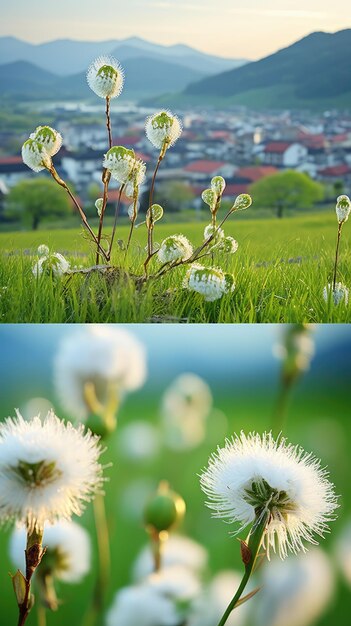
244, 28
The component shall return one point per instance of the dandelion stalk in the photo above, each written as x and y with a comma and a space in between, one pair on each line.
115, 220
62, 183
249, 558
340, 225
150, 224
41, 615
106, 176
22, 584
108, 122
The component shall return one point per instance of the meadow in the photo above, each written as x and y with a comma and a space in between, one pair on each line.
280, 269
318, 420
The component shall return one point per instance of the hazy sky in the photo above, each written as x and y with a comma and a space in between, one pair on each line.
233, 28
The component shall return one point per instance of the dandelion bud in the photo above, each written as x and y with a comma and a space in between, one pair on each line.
163, 129
210, 282
49, 138
35, 155
174, 248
228, 245
218, 185
210, 198
343, 208
98, 205
338, 294
155, 213
164, 510
43, 250
105, 77
243, 201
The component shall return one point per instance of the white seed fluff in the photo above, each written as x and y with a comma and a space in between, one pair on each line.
306, 497
105, 77
102, 355
55, 263
67, 544
174, 248
163, 129
48, 470
49, 138
35, 156
338, 295
210, 282
343, 208
177, 550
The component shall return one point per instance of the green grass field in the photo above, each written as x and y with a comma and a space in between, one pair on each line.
280, 269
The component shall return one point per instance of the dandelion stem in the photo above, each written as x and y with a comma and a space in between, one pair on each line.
41, 615
62, 183
103, 549
108, 122
105, 179
150, 223
337, 253
34, 553
253, 545
115, 221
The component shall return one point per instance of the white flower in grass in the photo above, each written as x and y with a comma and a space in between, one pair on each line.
49, 138
210, 282
228, 245
295, 593
163, 129
67, 550
105, 77
213, 601
48, 470
174, 248
43, 250
111, 359
254, 475
53, 263
338, 295
213, 230
163, 599
185, 407
343, 208
343, 552
177, 550
35, 156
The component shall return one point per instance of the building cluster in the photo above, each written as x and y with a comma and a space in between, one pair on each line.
240, 145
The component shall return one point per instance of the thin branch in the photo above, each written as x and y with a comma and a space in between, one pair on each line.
150, 223
337, 254
115, 221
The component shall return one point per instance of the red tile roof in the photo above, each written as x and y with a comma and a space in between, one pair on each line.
336, 170
255, 173
277, 147
10, 159
204, 167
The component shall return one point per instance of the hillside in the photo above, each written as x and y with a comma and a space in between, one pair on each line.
313, 69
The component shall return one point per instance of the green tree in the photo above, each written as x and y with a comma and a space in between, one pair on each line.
173, 196
286, 190
36, 199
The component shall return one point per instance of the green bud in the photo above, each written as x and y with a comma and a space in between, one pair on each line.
218, 185
243, 201
19, 586
165, 509
209, 197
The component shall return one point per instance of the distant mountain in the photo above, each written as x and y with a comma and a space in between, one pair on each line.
315, 69
145, 77
66, 56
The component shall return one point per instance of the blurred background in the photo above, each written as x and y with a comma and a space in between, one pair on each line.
237, 375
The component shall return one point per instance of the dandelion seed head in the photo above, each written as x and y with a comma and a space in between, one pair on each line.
343, 208
210, 282
67, 548
163, 129
48, 470
51, 263
174, 248
218, 233
255, 474
105, 77
49, 138
120, 162
339, 294
35, 156
228, 245
43, 250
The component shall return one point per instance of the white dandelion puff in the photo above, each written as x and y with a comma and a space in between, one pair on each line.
297, 592
49, 138
253, 475
105, 77
343, 209
210, 282
177, 550
43, 250
163, 129
111, 359
174, 248
35, 156
120, 162
48, 470
50, 263
67, 550
338, 294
